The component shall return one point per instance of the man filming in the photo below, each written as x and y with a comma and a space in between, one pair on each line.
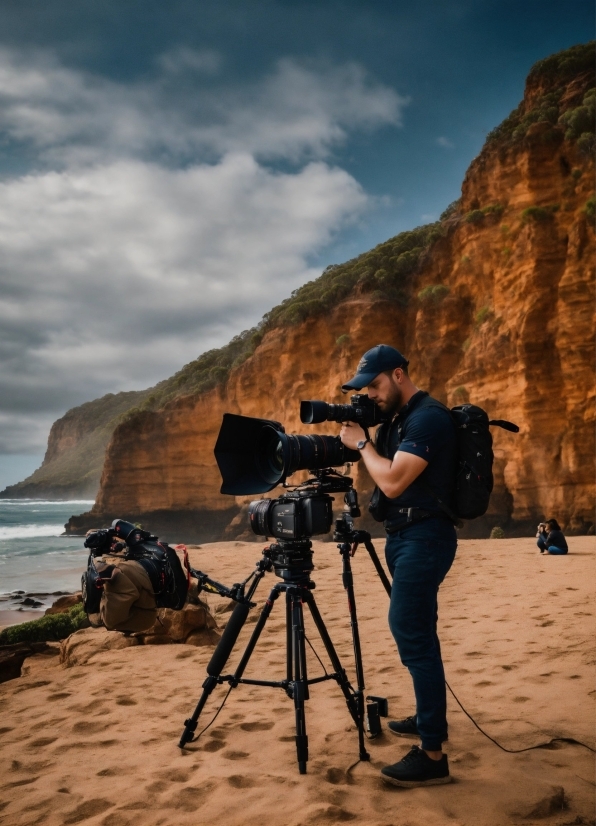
413, 463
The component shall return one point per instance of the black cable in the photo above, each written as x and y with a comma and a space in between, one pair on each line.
527, 748
316, 655
213, 719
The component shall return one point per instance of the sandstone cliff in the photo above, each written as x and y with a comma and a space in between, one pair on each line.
493, 304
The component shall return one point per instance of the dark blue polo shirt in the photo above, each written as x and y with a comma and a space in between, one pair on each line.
425, 428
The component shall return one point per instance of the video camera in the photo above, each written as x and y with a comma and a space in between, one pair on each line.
255, 455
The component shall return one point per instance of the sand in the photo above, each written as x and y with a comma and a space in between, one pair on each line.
97, 743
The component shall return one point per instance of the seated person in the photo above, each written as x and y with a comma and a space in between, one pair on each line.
550, 538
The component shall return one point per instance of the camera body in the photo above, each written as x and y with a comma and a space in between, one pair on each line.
361, 409
295, 516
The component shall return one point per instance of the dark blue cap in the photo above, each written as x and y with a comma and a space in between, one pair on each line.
375, 361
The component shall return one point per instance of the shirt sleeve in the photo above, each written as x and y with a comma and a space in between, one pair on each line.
425, 433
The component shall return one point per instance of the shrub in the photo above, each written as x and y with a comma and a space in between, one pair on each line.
539, 214
461, 395
586, 143
506, 252
451, 210
590, 208
476, 216
493, 209
50, 628
433, 293
497, 533
341, 340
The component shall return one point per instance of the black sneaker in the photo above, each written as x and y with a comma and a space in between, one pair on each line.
407, 728
417, 769
404, 728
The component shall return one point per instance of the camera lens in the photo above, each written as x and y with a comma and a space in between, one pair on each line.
258, 514
269, 455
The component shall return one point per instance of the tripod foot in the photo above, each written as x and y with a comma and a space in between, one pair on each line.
302, 767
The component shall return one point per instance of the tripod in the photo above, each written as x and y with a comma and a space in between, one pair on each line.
293, 562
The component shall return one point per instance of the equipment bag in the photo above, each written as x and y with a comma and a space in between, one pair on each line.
474, 480
168, 578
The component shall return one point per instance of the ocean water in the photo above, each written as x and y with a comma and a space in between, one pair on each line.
36, 562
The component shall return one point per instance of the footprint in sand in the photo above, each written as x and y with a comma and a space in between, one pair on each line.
41, 742
521, 699
61, 696
90, 808
257, 726
178, 776
241, 781
483, 683
25, 782
235, 755
126, 701
214, 745
337, 776
87, 727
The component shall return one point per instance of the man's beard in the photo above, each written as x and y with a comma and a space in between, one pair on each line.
394, 402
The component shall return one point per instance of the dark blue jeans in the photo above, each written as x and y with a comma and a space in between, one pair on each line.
419, 558
551, 549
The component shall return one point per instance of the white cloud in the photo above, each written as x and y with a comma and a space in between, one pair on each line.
152, 227
445, 143
115, 276
296, 111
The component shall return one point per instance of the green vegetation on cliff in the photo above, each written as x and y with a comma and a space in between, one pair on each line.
569, 115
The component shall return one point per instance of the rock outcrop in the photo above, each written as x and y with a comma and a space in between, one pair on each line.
493, 304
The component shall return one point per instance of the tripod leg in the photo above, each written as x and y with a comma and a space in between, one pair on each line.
300, 678
355, 701
216, 664
221, 655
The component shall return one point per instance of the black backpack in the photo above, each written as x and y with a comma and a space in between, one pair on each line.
474, 478
168, 578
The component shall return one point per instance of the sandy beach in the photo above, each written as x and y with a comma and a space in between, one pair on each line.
96, 743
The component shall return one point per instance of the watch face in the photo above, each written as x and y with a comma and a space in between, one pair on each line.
361, 443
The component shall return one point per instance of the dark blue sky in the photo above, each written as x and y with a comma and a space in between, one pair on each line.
171, 170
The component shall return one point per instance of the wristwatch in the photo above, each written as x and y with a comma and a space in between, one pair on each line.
361, 443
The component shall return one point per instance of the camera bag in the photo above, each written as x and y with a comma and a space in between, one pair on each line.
169, 579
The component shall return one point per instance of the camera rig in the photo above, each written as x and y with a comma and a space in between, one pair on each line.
307, 507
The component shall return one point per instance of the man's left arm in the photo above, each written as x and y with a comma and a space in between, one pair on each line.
393, 475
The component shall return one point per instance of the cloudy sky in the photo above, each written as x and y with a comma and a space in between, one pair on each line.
171, 169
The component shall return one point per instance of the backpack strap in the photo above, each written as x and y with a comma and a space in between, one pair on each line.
513, 428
